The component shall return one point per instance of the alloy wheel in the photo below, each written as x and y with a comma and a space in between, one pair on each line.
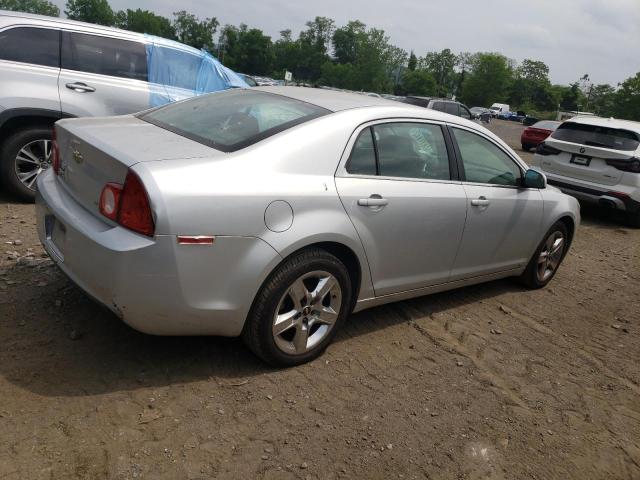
307, 312
550, 256
33, 159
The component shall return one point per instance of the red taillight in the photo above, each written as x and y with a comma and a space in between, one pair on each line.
128, 205
55, 152
135, 211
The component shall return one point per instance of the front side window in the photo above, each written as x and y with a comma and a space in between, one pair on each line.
484, 162
233, 119
173, 67
412, 150
39, 46
104, 56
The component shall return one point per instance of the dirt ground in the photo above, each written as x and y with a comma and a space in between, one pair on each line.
487, 382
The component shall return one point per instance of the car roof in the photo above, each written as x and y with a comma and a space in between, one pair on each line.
22, 18
606, 122
332, 100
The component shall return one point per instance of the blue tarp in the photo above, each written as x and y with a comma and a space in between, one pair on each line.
177, 71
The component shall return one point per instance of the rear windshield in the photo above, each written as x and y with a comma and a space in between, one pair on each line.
546, 124
234, 119
597, 136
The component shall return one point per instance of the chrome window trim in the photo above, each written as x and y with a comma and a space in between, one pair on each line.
341, 171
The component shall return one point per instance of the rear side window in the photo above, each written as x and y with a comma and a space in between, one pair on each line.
597, 136
439, 106
363, 156
233, 119
451, 108
104, 56
39, 46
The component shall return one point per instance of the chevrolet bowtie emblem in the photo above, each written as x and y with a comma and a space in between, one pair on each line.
77, 156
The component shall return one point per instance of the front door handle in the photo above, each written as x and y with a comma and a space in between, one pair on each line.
373, 201
480, 202
80, 87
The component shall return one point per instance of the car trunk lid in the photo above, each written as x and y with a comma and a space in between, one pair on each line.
96, 151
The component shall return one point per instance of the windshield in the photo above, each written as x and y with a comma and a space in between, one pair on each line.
233, 119
597, 136
495, 108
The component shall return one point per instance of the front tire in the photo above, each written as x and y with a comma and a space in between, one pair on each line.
23, 156
299, 309
547, 258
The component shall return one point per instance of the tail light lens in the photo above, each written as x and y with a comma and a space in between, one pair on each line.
544, 149
55, 152
128, 205
630, 165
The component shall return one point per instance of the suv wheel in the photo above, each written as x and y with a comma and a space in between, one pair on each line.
299, 309
23, 156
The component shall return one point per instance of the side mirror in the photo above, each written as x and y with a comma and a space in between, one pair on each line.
534, 179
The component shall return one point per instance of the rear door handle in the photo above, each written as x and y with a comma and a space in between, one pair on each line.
373, 201
480, 202
80, 87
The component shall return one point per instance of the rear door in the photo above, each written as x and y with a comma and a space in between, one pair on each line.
504, 219
582, 151
404, 199
102, 76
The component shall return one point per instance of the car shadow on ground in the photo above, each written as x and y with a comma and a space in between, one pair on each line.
83, 349
602, 218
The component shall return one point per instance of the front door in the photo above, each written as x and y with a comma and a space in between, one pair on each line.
407, 207
503, 219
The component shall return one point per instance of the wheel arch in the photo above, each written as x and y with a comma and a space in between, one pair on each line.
17, 118
341, 251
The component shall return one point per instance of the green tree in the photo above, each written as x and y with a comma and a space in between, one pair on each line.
40, 7
286, 53
144, 21
627, 101
531, 87
346, 40
314, 45
413, 61
92, 11
441, 65
489, 81
419, 82
193, 31
602, 99
247, 50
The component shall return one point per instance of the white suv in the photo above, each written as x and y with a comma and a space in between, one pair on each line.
596, 160
52, 68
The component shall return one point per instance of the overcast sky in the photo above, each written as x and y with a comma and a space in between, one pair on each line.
573, 37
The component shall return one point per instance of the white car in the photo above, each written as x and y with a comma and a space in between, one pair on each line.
596, 160
499, 108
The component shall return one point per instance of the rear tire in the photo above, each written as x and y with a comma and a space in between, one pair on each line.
37, 142
288, 325
547, 258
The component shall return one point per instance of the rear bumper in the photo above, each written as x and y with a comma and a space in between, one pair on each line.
609, 198
153, 284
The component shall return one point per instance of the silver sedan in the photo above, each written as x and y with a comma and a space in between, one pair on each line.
273, 213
